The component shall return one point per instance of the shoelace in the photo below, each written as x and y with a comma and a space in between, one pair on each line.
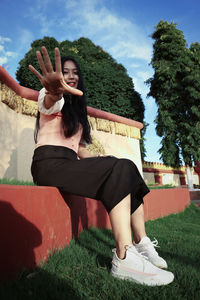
155, 243
152, 245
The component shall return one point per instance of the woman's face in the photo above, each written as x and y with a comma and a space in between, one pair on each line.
70, 73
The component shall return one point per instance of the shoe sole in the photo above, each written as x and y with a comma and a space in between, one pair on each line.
161, 267
148, 281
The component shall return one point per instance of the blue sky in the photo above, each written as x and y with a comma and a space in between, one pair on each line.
122, 28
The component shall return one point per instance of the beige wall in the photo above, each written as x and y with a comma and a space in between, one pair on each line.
16, 144
120, 146
196, 179
168, 178
149, 177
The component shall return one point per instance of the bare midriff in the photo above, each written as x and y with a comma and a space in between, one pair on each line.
51, 133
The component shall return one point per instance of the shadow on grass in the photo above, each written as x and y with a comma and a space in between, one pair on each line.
102, 244
40, 284
183, 260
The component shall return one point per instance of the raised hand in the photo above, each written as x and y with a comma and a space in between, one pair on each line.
52, 81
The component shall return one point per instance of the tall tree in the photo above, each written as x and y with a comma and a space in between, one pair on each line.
108, 86
176, 95
190, 114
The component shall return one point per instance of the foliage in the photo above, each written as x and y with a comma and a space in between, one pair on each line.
108, 86
23, 74
190, 114
176, 89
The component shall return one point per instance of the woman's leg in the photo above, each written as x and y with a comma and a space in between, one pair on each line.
138, 224
126, 262
121, 225
145, 245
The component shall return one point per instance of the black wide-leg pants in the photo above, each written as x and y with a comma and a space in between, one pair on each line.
107, 179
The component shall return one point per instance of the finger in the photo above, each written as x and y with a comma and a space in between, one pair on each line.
32, 69
47, 60
71, 90
57, 60
41, 62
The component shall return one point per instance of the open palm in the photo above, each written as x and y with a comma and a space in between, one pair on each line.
52, 81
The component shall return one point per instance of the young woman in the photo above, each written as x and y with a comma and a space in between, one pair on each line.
62, 160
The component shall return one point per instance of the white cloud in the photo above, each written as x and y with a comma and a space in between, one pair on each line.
144, 75
5, 54
90, 18
4, 39
140, 87
10, 53
3, 60
135, 65
130, 50
139, 78
46, 23
116, 34
153, 146
25, 37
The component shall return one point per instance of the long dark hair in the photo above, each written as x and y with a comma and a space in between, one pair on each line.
74, 111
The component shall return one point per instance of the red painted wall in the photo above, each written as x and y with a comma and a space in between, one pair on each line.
36, 220
163, 202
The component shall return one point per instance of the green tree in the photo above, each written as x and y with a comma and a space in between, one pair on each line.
190, 114
108, 86
175, 87
23, 74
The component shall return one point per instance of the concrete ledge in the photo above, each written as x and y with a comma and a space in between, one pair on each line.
36, 220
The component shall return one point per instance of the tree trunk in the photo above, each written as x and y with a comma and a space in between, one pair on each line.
189, 173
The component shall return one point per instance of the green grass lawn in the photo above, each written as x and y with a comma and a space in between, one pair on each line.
158, 187
15, 182
81, 270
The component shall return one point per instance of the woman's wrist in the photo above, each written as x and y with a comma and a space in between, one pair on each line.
51, 99
54, 97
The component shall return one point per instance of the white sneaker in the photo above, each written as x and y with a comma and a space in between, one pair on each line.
147, 248
138, 269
